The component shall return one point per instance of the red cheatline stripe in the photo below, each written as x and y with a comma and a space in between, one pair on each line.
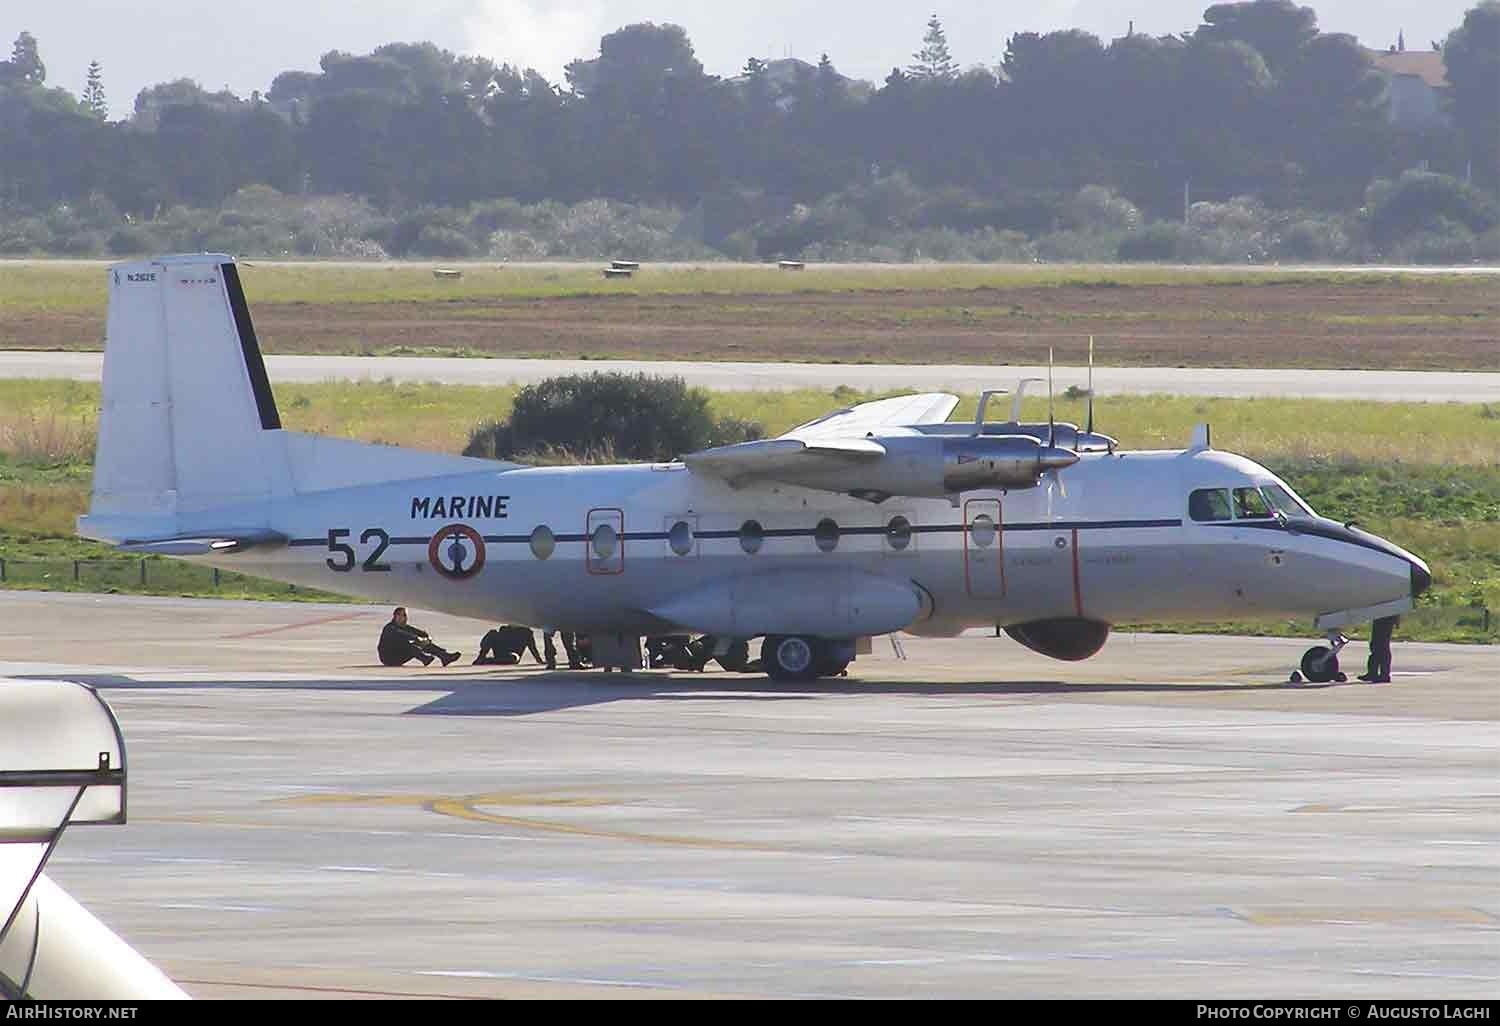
1077, 588
294, 626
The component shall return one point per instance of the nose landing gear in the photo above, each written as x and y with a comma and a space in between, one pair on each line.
1320, 664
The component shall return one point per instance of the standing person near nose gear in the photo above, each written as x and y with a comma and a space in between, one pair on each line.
1378, 669
400, 642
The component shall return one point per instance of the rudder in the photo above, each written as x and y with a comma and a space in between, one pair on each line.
187, 420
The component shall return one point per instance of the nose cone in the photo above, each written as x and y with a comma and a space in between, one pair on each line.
1421, 577
1053, 458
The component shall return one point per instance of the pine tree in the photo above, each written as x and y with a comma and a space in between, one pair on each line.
27, 61
93, 92
933, 60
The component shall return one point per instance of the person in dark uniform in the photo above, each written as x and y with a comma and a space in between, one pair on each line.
400, 643
1378, 669
570, 646
503, 646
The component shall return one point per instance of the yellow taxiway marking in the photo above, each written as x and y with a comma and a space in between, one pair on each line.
423, 800
470, 807
1295, 916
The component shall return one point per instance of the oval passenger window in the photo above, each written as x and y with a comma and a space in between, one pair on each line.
604, 541
680, 537
542, 542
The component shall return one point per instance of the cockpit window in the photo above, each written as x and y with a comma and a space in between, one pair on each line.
1249, 504
1284, 501
1209, 504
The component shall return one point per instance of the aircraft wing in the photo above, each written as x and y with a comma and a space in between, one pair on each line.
898, 411
834, 451
780, 457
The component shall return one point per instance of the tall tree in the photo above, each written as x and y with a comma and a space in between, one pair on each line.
1472, 57
1330, 119
1275, 29
93, 92
934, 61
26, 61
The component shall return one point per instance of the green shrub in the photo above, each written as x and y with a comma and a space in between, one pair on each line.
1418, 199
129, 240
1442, 241
439, 241
1159, 240
594, 417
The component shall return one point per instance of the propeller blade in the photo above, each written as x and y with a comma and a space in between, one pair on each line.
1051, 422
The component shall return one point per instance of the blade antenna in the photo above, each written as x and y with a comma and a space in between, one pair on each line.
1090, 428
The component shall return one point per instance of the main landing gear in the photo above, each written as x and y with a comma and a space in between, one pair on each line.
1320, 664
797, 657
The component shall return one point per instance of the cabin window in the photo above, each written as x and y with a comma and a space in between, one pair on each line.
1285, 501
982, 531
898, 533
604, 541
542, 542
680, 537
1249, 504
751, 536
826, 534
1210, 504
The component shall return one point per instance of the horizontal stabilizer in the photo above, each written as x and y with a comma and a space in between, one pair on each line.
205, 544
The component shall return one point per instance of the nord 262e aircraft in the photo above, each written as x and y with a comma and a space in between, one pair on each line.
879, 518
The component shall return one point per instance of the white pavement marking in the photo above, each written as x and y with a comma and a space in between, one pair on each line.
1379, 386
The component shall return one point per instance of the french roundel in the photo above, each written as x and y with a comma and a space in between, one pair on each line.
456, 552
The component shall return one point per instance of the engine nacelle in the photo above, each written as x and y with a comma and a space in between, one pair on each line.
925, 466
1067, 638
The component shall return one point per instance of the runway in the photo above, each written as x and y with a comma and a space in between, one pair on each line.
1377, 386
1167, 820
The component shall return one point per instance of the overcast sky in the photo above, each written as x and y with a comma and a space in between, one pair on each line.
243, 46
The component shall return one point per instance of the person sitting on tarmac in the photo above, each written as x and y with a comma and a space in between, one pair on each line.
503, 646
400, 642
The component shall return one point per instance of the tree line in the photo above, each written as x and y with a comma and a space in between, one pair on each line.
1256, 105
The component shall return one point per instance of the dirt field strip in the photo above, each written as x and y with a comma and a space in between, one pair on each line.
1377, 322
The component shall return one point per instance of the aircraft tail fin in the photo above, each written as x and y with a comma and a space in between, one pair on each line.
186, 404
188, 426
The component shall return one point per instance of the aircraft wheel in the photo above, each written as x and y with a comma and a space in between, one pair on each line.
791, 657
1320, 664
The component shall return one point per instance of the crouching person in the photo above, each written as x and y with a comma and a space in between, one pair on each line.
503, 646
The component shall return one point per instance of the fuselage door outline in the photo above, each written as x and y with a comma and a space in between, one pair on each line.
984, 549
604, 541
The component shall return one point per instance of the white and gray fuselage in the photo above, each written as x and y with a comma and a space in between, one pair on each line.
1113, 541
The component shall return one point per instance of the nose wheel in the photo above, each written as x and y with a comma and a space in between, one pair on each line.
1320, 664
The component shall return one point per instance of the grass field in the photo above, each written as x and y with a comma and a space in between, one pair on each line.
1426, 476
1141, 316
